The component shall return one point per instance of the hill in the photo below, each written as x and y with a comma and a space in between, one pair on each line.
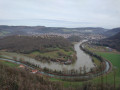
28, 44
32, 30
113, 42
112, 32
117, 36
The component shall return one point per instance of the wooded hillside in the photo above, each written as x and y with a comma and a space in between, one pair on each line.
113, 42
28, 44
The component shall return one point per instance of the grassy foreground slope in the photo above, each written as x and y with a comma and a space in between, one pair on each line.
19, 79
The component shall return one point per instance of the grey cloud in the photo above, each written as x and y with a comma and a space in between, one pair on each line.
105, 13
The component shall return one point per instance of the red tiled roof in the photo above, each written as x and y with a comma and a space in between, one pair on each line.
21, 66
34, 71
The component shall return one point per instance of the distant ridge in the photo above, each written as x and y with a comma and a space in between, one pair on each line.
112, 31
26, 30
113, 41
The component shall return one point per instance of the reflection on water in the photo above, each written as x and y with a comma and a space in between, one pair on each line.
83, 60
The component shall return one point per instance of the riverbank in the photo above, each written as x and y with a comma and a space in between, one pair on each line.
74, 74
83, 60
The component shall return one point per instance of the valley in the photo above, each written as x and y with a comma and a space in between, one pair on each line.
71, 60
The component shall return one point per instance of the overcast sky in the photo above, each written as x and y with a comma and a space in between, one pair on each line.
61, 13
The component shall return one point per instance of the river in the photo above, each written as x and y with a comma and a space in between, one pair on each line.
83, 60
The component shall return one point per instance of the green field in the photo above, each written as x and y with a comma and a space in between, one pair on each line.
53, 54
114, 58
9, 63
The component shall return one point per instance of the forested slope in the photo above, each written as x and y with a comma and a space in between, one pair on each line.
28, 44
113, 42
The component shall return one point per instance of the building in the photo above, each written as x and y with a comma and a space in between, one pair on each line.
34, 71
22, 66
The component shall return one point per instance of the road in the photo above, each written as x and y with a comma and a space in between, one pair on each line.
108, 66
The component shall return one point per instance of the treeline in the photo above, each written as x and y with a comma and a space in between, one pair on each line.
91, 53
28, 44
